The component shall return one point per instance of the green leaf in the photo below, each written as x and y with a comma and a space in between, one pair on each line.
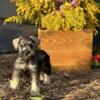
36, 98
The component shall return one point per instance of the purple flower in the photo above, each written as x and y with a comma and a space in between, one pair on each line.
60, 7
60, 0
73, 3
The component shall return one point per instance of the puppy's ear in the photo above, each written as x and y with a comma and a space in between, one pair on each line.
16, 42
35, 40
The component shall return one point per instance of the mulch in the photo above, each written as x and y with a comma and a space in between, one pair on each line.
65, 85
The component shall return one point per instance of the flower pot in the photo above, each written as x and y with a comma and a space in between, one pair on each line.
68, 50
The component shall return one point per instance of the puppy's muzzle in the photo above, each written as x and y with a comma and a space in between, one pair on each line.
26, 53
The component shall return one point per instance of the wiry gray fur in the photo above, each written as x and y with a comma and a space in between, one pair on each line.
33, 59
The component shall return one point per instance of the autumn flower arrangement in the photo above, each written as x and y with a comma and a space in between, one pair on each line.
56, 14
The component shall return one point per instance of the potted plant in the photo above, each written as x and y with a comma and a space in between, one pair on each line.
63, 28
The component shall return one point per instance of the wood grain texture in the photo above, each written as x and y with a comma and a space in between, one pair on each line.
68, 50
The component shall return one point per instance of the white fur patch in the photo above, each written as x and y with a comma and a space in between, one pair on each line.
15, 43
14, 83
41, 77
19, 64
32, 67
47, 79
35, 85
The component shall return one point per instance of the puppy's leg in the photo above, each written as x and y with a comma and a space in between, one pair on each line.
47, 78
14, 82
42, 76
47, 72
35, 83
35, 79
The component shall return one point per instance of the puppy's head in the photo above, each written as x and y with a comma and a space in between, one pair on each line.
26, 46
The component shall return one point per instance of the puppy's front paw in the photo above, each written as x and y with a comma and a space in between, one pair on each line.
41, 77
47, 79
35, 92
14, 83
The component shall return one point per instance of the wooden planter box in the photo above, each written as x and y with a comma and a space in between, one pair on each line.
68, 50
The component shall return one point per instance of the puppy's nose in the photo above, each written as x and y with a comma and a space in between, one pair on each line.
26, 52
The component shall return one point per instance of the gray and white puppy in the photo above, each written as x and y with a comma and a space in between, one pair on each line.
33, 59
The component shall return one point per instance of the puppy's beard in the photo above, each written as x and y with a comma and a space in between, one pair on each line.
30, 54
26, 57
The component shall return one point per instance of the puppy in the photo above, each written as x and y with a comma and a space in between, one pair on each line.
33, 59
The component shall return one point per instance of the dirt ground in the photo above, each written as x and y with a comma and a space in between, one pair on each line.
66, 85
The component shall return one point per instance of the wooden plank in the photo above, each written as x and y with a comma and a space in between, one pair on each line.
68, 50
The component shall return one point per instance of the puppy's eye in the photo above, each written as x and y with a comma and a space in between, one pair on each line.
31, 46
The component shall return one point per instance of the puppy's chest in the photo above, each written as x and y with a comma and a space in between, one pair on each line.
20, 64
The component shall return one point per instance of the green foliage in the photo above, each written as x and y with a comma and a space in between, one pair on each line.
52, 21
14, 19
56, 14
74, 18
36, 98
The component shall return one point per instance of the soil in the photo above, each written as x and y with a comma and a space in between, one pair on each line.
65, 85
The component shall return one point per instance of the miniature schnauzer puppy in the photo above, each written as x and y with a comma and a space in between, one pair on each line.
33, 59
